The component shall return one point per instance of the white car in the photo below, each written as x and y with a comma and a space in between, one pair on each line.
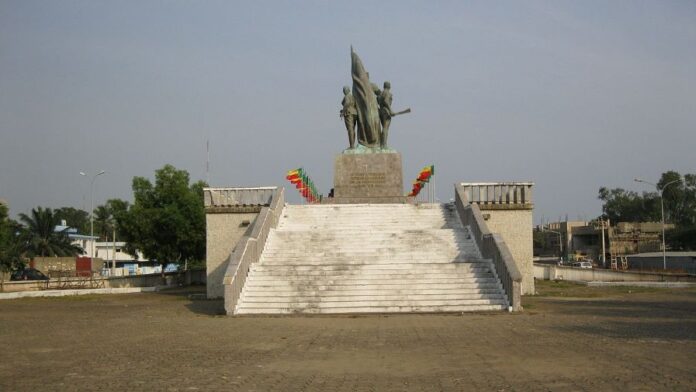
583, 264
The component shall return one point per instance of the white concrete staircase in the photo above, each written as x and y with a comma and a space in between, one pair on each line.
367, 258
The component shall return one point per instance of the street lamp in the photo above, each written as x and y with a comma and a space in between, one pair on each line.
91, 213
662, 210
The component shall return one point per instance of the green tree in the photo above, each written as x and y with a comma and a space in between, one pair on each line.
10, 253
39, 237
167, 220
74, 217
620, 205
105, 221
679, 200
682, 238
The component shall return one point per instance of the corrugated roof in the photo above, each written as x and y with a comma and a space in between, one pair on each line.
82, 237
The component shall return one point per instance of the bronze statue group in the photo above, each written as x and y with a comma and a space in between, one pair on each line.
367, 108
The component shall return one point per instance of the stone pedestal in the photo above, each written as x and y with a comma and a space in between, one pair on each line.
368, 178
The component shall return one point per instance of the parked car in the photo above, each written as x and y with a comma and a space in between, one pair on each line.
28, 274
583, 264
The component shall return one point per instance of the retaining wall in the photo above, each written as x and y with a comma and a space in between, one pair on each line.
554, 272
172, 278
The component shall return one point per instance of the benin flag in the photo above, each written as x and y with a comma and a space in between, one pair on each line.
293, 175
425, 174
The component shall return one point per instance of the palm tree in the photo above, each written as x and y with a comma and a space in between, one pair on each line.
103, 221
39, 237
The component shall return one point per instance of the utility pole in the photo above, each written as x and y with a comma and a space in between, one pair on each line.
113, 253
604, 251
207, 162
662, 210
560, 243
91, 213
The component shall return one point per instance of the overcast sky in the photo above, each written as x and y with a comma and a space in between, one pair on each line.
570, 95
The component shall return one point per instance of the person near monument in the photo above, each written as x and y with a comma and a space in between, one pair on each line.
384, 100
349, 113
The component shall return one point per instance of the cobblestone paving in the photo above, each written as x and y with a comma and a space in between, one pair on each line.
164, 341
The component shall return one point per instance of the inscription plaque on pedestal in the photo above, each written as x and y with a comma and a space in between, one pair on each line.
369, 178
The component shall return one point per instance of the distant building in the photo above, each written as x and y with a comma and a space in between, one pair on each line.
109, 251
581, 239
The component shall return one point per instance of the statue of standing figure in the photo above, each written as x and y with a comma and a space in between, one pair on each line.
385, 112
349, 113
367, 108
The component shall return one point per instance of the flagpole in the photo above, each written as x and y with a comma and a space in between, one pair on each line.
434, 194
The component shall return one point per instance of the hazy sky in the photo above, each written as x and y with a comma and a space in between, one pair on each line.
570, 95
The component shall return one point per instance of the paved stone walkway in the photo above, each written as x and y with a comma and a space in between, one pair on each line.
164, 341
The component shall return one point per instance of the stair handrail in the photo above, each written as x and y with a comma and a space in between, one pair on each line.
492, 247
249, 248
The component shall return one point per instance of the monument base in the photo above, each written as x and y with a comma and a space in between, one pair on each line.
374, 178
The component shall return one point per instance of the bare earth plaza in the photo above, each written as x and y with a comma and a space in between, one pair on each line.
570, 338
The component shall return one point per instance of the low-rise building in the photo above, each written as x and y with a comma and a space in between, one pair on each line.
583, 240
116, 251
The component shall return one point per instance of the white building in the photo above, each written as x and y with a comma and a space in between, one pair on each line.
109, 251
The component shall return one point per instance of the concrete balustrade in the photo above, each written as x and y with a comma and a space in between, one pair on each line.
230, 215
236, 199
498, 193
491, 245
249, 248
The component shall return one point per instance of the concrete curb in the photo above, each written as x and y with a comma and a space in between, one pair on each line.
671, 285
65, 293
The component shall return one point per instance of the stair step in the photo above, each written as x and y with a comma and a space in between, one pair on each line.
364, 280
368, 286
378, 303
359, 261
357, 292
248, 299
373, 268
376, 309
372, 274
391, 253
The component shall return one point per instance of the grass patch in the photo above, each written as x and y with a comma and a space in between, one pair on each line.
560, 288
68, 298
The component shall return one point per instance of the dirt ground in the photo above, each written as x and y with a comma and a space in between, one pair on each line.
569, 338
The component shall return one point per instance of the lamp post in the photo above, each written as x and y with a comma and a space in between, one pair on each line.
91, 213
662, 211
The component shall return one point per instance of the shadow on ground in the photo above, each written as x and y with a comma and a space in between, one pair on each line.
208, 307
673, 318
195, 299
645, 330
